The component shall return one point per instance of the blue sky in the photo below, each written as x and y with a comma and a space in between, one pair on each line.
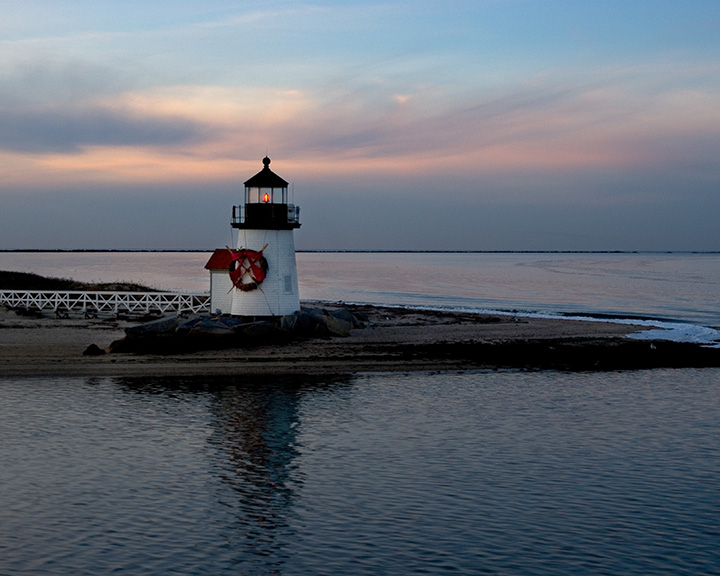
485, 125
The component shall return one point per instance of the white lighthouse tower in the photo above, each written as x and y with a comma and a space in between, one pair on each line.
259, 276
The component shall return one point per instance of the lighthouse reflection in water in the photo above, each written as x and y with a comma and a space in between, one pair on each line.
256, 428
479, 472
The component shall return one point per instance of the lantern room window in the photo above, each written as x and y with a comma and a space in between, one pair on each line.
265, 195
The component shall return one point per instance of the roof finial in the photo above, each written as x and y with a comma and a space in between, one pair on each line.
266, 161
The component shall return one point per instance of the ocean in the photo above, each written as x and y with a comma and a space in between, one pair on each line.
477, 472
677, 292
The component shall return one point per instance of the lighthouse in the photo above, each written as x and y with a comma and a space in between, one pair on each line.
258, 278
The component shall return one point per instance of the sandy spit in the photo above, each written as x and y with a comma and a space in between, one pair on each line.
395, 339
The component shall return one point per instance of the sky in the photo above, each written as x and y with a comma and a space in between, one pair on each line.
400, 124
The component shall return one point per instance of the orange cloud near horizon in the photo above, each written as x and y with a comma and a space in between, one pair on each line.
598, 129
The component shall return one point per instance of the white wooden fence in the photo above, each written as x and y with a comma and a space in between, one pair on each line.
105, 302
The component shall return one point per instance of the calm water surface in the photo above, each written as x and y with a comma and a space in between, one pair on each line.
463, 473
681, 287
469, 473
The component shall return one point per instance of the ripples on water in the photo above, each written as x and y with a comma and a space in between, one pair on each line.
473, 473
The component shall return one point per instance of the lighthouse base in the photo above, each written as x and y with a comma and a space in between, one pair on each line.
276, 295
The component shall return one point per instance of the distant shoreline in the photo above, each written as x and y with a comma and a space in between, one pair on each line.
327, 251
11, 280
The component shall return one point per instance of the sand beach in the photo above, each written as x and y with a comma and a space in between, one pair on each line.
393, 339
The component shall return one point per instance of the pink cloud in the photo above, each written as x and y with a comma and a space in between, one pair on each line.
206, 133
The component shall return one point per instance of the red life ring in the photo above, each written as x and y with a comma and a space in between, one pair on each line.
248, 268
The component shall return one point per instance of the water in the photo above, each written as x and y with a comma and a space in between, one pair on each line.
472, 473
664, 286
679, 291
682, 287
446, 473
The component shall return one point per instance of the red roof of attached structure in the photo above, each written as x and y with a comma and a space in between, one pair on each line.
220, 260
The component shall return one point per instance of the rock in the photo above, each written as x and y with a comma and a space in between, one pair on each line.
230, 321
334, 326
93, 350
303, 325
313, 311
347, 316
289, 322
320, 323
119, 346
308, 323
166, 325
186, 326
261, 332
361, 316
175, 335
210, 326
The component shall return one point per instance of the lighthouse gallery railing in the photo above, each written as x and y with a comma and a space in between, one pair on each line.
105, 302
238, 214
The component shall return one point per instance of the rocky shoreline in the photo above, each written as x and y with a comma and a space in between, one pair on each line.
329, 339
177, 334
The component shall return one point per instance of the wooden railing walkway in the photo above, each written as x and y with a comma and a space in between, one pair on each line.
105, 302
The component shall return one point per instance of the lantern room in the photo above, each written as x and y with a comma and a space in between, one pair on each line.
266, 203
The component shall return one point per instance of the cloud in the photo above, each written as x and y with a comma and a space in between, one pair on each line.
616, 119
50, 107
28, 79
69, 129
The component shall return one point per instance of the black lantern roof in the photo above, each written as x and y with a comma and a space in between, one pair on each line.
266, 178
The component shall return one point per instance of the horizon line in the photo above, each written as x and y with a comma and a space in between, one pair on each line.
369, 251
